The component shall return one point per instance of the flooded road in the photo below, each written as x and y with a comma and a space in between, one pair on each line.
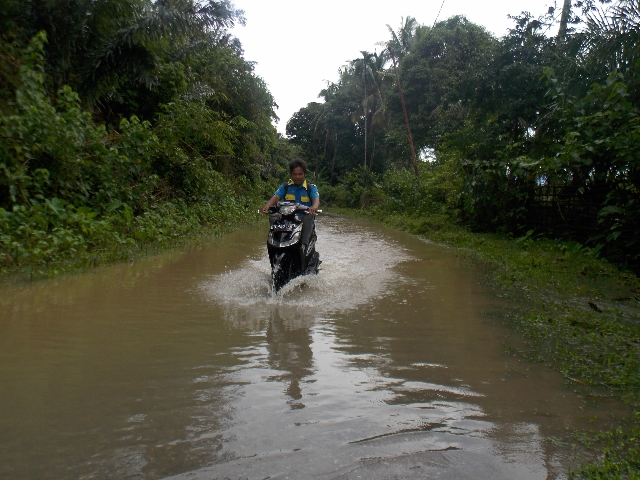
391, 363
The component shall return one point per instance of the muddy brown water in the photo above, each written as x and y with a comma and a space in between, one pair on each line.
393, 362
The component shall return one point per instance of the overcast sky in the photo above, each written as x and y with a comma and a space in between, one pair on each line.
299, 45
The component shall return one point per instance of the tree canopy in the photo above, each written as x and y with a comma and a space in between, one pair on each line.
540, 128
113, 110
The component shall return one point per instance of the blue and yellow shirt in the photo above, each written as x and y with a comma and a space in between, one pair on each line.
292, 193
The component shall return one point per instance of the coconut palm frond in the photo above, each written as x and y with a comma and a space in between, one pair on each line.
129, 52
200, 91
613, 36
458, 110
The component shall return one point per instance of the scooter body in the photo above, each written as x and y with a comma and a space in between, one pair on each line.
286, 255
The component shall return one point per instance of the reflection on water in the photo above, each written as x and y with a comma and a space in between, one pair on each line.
390, 363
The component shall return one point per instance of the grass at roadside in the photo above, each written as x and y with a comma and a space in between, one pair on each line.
49, 243
583, 318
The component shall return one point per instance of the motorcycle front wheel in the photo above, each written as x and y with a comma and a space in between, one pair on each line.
283, 270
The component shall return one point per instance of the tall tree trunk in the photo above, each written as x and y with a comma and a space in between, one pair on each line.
317, 147
406, 116
373, 154
371, 134
564, 21
335, 153
364, 77
324, 151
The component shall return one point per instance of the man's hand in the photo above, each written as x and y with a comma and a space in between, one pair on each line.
313, 209
272, 201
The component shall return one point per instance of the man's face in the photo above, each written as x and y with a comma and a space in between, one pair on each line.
297, 175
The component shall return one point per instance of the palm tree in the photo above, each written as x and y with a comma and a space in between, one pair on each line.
132, 50
397, 47
98, 45
327, 120
613, 37
373, 106
564, 21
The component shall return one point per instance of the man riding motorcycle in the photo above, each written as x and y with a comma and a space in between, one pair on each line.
300, 191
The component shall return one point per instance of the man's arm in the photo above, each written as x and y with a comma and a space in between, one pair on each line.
315, 204
272, 201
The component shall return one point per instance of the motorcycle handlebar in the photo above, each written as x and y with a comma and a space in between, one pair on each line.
260, 211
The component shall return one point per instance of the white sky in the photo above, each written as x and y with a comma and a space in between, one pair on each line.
299, 45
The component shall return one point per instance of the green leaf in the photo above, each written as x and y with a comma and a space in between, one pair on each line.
128, 213
56, 205
613, 235
610, 210
114, 206
525, 236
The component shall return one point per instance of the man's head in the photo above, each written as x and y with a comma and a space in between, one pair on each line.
298, 170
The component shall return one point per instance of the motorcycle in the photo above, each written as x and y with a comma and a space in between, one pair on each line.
286, 255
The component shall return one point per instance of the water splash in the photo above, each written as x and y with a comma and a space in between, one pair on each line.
356, 268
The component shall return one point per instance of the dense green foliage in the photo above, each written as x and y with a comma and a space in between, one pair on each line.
125, 124
582, 313
135, 124
542, 132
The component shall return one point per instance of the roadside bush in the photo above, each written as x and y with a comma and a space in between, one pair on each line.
43, 236
601, 152
72, 193
56, 151
48, 238
435, 192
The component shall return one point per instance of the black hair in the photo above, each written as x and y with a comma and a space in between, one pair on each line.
298, 162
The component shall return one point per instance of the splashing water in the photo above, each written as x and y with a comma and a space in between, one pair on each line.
356, 267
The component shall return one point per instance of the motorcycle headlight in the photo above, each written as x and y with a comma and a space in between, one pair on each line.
294, 239
287, 209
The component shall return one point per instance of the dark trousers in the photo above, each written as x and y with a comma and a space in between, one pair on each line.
307, 229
